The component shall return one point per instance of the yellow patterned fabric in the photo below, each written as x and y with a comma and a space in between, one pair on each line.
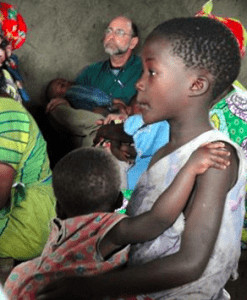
24, 224
11, 88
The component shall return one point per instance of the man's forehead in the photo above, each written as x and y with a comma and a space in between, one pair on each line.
120, 22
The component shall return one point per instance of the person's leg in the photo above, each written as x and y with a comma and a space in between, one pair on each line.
79, 123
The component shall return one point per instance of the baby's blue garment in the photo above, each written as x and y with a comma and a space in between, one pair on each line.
87, 97
147, 139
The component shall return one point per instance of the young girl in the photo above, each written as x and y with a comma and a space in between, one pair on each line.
92, 238
187, 63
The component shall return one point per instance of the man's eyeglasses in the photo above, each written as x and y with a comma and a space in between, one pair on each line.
117, 32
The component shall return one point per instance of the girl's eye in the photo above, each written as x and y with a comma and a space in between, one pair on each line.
151, 72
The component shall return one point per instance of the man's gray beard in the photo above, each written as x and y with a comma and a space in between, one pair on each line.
117, 51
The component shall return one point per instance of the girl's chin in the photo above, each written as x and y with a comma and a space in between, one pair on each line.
148, 119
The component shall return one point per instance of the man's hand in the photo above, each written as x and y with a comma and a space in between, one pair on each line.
55, 102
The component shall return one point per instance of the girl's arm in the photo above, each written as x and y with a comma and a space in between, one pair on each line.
171, 202
7, 174
198, 240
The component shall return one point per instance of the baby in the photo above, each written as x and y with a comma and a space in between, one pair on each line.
78, 96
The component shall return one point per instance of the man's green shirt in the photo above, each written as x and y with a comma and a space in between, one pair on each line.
122, 85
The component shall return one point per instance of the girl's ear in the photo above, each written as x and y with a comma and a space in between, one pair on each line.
199, 86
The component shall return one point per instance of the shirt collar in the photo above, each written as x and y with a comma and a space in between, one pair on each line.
129, 62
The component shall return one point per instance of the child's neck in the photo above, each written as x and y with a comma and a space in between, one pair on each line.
182, 133
179, 136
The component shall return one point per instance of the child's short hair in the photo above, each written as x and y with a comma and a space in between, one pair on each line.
203, 43
84, 179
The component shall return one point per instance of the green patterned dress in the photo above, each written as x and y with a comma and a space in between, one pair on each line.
24, 223
229, 115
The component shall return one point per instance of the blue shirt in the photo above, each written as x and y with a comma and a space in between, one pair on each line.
148, 138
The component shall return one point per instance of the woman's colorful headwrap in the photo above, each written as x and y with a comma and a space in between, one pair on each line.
234, 25
12, 25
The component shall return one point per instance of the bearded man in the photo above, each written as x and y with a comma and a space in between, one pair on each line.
115, 77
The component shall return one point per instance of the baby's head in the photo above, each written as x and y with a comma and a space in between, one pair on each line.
202, 44
57, 88
86, 180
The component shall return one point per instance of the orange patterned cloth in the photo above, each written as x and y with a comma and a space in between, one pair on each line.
72, 250
12, 25
234, 25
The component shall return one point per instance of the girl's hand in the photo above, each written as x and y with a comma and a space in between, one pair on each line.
210, 155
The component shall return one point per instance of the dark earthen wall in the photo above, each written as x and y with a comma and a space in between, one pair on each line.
64, 36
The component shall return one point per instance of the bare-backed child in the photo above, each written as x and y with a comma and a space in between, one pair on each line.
90, 237
187, 63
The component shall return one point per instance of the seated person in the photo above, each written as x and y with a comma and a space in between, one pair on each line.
27, 202
116, 77
11, 87
78, 96
90, 237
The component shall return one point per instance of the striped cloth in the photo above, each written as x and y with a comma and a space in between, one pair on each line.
24, 222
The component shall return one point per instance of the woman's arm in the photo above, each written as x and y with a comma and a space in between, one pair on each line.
7, 174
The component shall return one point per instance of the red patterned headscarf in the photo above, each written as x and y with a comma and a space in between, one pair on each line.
234, 25
12, 25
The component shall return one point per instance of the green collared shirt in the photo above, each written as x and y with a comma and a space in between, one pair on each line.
122, 86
